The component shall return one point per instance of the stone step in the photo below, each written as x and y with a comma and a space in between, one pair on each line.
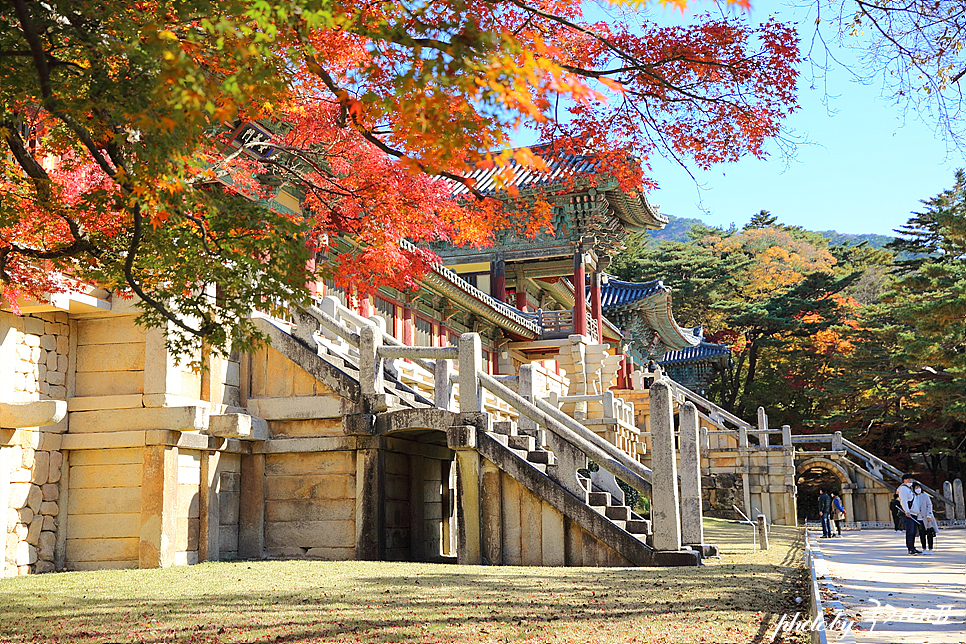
505, 427
539, 435
638, 526
522, 442
618, 512
542, 457
599, 499
502, 439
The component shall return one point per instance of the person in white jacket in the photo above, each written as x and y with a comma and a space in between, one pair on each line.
922, 507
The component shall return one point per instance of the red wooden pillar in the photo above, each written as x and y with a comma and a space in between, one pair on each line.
314, 286
521, 295
365, 307
408, 328
595, 305
580, 293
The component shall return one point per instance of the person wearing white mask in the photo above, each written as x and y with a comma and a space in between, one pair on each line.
928, 526
906, 498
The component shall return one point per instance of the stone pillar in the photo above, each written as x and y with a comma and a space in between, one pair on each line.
665, 513
849, 509
525, 388
763, 426
692, 530
595, 305
159, 490
950, 505
762, 532
370, 364
471, 363
370, 505
492, 508
209, 507
837, 445
469, 550
443, 386
498, 267
251, 507
958, 499
787, 436
580, 293
419, 466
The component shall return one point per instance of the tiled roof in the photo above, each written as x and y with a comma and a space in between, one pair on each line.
617, 293
705, 351
634, 211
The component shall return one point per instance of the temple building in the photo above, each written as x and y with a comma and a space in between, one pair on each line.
457, 422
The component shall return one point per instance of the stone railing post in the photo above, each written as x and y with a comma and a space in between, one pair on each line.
525, 387
762, 426
958, 499
762, 532
471, 362
330, 306
665, 510
837, 444
705, 440
692, 531
305, 327
443, 385
742, 436
950, 505
609, 406
787, 436
370, 364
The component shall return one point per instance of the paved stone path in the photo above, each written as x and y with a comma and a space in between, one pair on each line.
869, 565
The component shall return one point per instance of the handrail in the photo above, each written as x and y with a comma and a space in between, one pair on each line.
858, 451
880, 464
698, 400
605, 454
340, 329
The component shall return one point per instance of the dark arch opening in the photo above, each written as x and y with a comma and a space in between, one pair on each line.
418, 496
808, 482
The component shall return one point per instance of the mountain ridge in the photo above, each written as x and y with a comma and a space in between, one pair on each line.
677, 230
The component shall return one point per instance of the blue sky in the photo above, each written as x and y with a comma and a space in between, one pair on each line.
864, 169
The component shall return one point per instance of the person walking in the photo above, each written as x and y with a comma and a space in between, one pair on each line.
825, 512
838, 513
906, 498
896, 509
927, 520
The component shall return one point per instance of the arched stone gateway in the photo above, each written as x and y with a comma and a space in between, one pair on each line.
865, 499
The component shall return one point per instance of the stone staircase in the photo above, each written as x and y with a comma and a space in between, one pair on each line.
528, 456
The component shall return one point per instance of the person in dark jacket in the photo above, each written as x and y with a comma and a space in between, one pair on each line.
896, 509
825, 512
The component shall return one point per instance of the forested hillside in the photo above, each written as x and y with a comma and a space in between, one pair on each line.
678, 227
859, 333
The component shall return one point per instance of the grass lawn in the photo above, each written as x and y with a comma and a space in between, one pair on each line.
736, 599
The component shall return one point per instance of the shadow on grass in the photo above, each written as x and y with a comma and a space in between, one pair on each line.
421, 603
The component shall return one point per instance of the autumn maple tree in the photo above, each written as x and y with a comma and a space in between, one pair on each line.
147, 142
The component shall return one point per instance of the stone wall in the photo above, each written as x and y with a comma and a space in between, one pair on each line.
103, 508
110, 357
719, 493
34, 365
521, 529
310, 505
